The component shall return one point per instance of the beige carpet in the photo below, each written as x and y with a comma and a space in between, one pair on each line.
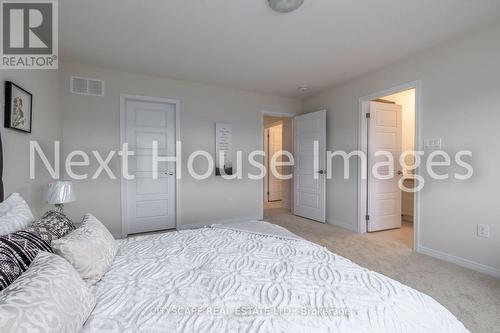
474, 298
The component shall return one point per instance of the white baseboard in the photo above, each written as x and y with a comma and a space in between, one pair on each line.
342, 224
495, 272
209, 223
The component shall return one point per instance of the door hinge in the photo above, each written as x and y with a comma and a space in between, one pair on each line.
367, 217
268, 193
368, 115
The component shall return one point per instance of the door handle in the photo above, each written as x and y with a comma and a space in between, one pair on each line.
168, 173
400, 172
321, 172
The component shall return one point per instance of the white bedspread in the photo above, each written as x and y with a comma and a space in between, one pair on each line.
221, 280
259, 227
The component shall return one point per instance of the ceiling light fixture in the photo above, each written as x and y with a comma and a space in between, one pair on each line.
285, 6
303, 89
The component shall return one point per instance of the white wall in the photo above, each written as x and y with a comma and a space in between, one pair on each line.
93, 123
46, 127
460, 104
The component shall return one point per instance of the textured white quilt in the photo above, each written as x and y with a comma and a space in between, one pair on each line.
220, 280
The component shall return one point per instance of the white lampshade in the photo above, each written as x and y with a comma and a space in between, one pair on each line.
61, 192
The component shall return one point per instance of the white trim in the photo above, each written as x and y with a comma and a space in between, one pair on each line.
341, 224
178, 196
272, 114
417, 85
227, 221
495, 272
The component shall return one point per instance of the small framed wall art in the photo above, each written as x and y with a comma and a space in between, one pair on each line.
223, 149
18, 108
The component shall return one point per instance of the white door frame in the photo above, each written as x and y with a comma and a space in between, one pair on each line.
123, 126
362, 140
262, 131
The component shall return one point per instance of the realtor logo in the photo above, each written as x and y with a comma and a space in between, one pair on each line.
29, 34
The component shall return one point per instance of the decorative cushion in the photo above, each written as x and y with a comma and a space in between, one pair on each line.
41, 232
15, 214
49, 297
17, 251
55, 223
90, 249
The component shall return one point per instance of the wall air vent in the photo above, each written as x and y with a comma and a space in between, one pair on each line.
86, 86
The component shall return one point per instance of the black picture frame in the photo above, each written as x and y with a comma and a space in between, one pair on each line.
1, 170
11, 87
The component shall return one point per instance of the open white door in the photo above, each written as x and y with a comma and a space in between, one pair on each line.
384, 195
310, 181
275, 142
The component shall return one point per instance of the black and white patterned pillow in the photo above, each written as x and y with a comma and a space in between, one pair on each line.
54, 223
42, 232
17, 251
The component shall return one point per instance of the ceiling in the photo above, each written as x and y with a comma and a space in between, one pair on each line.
244, 44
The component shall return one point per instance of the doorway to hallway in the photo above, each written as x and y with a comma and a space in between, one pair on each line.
388, 124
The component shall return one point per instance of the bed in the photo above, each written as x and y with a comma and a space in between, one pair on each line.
252, 277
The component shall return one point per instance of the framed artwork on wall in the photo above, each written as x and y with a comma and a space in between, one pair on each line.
223, 149
18, 108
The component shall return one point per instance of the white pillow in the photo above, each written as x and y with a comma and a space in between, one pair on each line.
15, 214
90, 249
49, 297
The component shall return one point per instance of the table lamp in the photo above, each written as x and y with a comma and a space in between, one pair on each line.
59, 193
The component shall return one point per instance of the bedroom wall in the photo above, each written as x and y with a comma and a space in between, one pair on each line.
460, 104
46, 127
92, 123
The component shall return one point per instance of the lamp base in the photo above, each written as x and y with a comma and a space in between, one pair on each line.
59, 208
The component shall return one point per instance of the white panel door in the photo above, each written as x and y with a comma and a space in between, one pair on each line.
384, 195
310, 182
150, 203
275, 142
